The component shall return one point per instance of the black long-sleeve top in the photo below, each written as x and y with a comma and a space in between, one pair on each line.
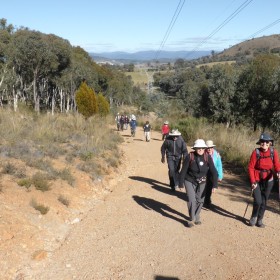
197, 168
174, 148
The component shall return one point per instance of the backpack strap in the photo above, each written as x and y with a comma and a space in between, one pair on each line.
271, 153
192, 157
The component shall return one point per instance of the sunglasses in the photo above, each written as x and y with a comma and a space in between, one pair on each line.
264, 141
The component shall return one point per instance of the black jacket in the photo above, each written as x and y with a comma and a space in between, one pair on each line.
174, 148
194, 170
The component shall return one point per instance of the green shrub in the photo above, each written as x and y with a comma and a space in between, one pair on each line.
64, 200
66, 175
40, 182
8, 168
40, 207
25, 182
103, 105
86, 101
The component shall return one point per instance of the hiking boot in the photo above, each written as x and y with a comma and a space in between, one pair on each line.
253, 221
207, 205
190, 224
197, 222
260, 224
172, 189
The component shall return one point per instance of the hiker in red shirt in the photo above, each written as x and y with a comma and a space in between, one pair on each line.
264, 163
165, 130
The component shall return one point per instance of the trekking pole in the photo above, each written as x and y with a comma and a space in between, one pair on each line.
279, 193
248, 204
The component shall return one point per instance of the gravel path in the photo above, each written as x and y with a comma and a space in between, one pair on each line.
139, 231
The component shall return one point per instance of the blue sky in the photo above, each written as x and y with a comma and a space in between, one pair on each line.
130, 25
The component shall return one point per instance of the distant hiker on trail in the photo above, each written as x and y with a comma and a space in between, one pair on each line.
263, 163
147, 131
133, 125
117, 119
122, 122
193, 176
174, 148
126, 122
165, 130
216, 157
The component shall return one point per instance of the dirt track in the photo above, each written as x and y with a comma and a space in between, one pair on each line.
139, 231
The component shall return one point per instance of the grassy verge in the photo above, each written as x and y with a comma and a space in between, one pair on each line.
37, 140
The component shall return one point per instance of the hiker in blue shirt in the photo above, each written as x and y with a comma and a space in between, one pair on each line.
219, 166
133, 125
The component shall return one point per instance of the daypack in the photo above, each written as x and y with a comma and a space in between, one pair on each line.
260, 157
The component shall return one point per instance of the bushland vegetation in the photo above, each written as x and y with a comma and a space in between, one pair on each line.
34, 142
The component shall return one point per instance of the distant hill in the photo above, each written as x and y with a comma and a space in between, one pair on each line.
263, 44
144, 56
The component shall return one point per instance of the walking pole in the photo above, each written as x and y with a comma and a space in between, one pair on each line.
279, 193
248, 204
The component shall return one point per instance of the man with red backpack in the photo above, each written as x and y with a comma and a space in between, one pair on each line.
264, 163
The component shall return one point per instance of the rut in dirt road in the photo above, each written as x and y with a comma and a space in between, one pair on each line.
139, 230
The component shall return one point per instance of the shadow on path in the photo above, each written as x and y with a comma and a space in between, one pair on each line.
159, 186
161, 208
218, 210
159, 277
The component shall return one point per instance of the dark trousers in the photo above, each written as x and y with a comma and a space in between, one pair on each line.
208, 190
195, 199
174, 165
261, 195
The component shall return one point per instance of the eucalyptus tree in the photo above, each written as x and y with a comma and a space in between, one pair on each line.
6, 73
57, 91
221, 94
33, 61
260, 86
120, 89
275, 119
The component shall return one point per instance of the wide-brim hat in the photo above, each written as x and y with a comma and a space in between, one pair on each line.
166, 122
175, 132
210, 144
265, 137
199, 143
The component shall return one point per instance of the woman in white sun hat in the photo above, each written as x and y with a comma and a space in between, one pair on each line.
193, 176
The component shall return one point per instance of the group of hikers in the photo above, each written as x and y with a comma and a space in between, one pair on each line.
123, 121
200, 170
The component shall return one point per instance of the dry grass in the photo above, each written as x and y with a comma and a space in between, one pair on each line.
37, 140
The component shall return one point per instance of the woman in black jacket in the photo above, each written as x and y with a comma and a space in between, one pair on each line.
193, 177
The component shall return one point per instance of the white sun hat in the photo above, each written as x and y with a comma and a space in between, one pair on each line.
199, 143
210, 144
175, 132
166, 122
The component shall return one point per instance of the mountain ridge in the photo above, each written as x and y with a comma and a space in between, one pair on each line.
141, 56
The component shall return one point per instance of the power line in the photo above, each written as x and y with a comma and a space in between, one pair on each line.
170, 27
265, 28
217, 29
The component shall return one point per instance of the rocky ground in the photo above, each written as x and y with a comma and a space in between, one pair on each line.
130, 226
